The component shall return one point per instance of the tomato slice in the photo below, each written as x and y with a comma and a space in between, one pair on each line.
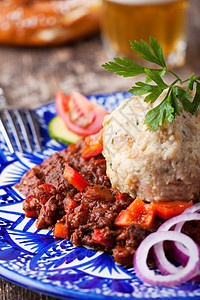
74, 178
93, 145
79, 114
169, 209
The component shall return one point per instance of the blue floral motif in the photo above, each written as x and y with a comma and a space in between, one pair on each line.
56, 266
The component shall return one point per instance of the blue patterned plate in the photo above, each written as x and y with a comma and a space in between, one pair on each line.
35, 259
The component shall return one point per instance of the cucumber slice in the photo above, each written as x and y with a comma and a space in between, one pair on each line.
58, 131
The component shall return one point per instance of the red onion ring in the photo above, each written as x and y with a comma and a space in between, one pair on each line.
181, 218
179, 249
196, 278
180, 252
162, 262
186, 273
191, 209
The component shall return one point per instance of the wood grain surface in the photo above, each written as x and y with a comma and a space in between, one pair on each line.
30, 77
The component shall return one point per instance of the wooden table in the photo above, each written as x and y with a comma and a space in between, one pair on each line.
30, 77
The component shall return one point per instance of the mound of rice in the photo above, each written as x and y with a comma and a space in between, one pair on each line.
156, 166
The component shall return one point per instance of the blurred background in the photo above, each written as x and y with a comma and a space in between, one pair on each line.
31, 76
46, 46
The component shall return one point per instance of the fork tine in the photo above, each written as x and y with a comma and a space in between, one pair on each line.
6, 133
34, 128
24, 128
19, 128
11, 120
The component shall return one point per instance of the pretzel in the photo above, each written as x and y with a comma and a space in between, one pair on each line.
47, 22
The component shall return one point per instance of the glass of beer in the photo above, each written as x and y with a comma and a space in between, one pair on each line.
165, 20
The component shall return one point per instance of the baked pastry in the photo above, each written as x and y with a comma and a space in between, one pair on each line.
47, 22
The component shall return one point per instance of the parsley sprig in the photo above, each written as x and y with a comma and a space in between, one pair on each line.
169, 107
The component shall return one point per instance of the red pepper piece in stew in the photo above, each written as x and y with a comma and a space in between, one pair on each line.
169, 209
93, 145
138, 212
99, 236
61, 231
31, 214
74, 178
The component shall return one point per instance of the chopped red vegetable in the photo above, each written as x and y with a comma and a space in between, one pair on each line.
74, 178
31, 214
93, 145
99, 237
138, 212
125, 218
169, 209
61, 231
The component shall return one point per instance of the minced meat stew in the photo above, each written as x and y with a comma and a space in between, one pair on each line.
86, 217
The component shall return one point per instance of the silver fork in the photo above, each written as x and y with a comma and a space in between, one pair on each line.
20, 130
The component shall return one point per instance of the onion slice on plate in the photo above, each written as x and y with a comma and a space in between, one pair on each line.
181, 252
184, 274
181, 218
193, 208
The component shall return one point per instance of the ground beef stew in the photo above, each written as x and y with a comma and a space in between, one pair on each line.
87, 218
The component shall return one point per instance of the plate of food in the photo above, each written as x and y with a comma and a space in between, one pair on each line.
115, 213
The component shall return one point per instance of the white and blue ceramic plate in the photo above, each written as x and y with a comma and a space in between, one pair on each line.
36, 260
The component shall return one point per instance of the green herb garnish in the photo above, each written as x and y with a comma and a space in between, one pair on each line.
169, 107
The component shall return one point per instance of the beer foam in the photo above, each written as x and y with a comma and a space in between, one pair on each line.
142, 2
